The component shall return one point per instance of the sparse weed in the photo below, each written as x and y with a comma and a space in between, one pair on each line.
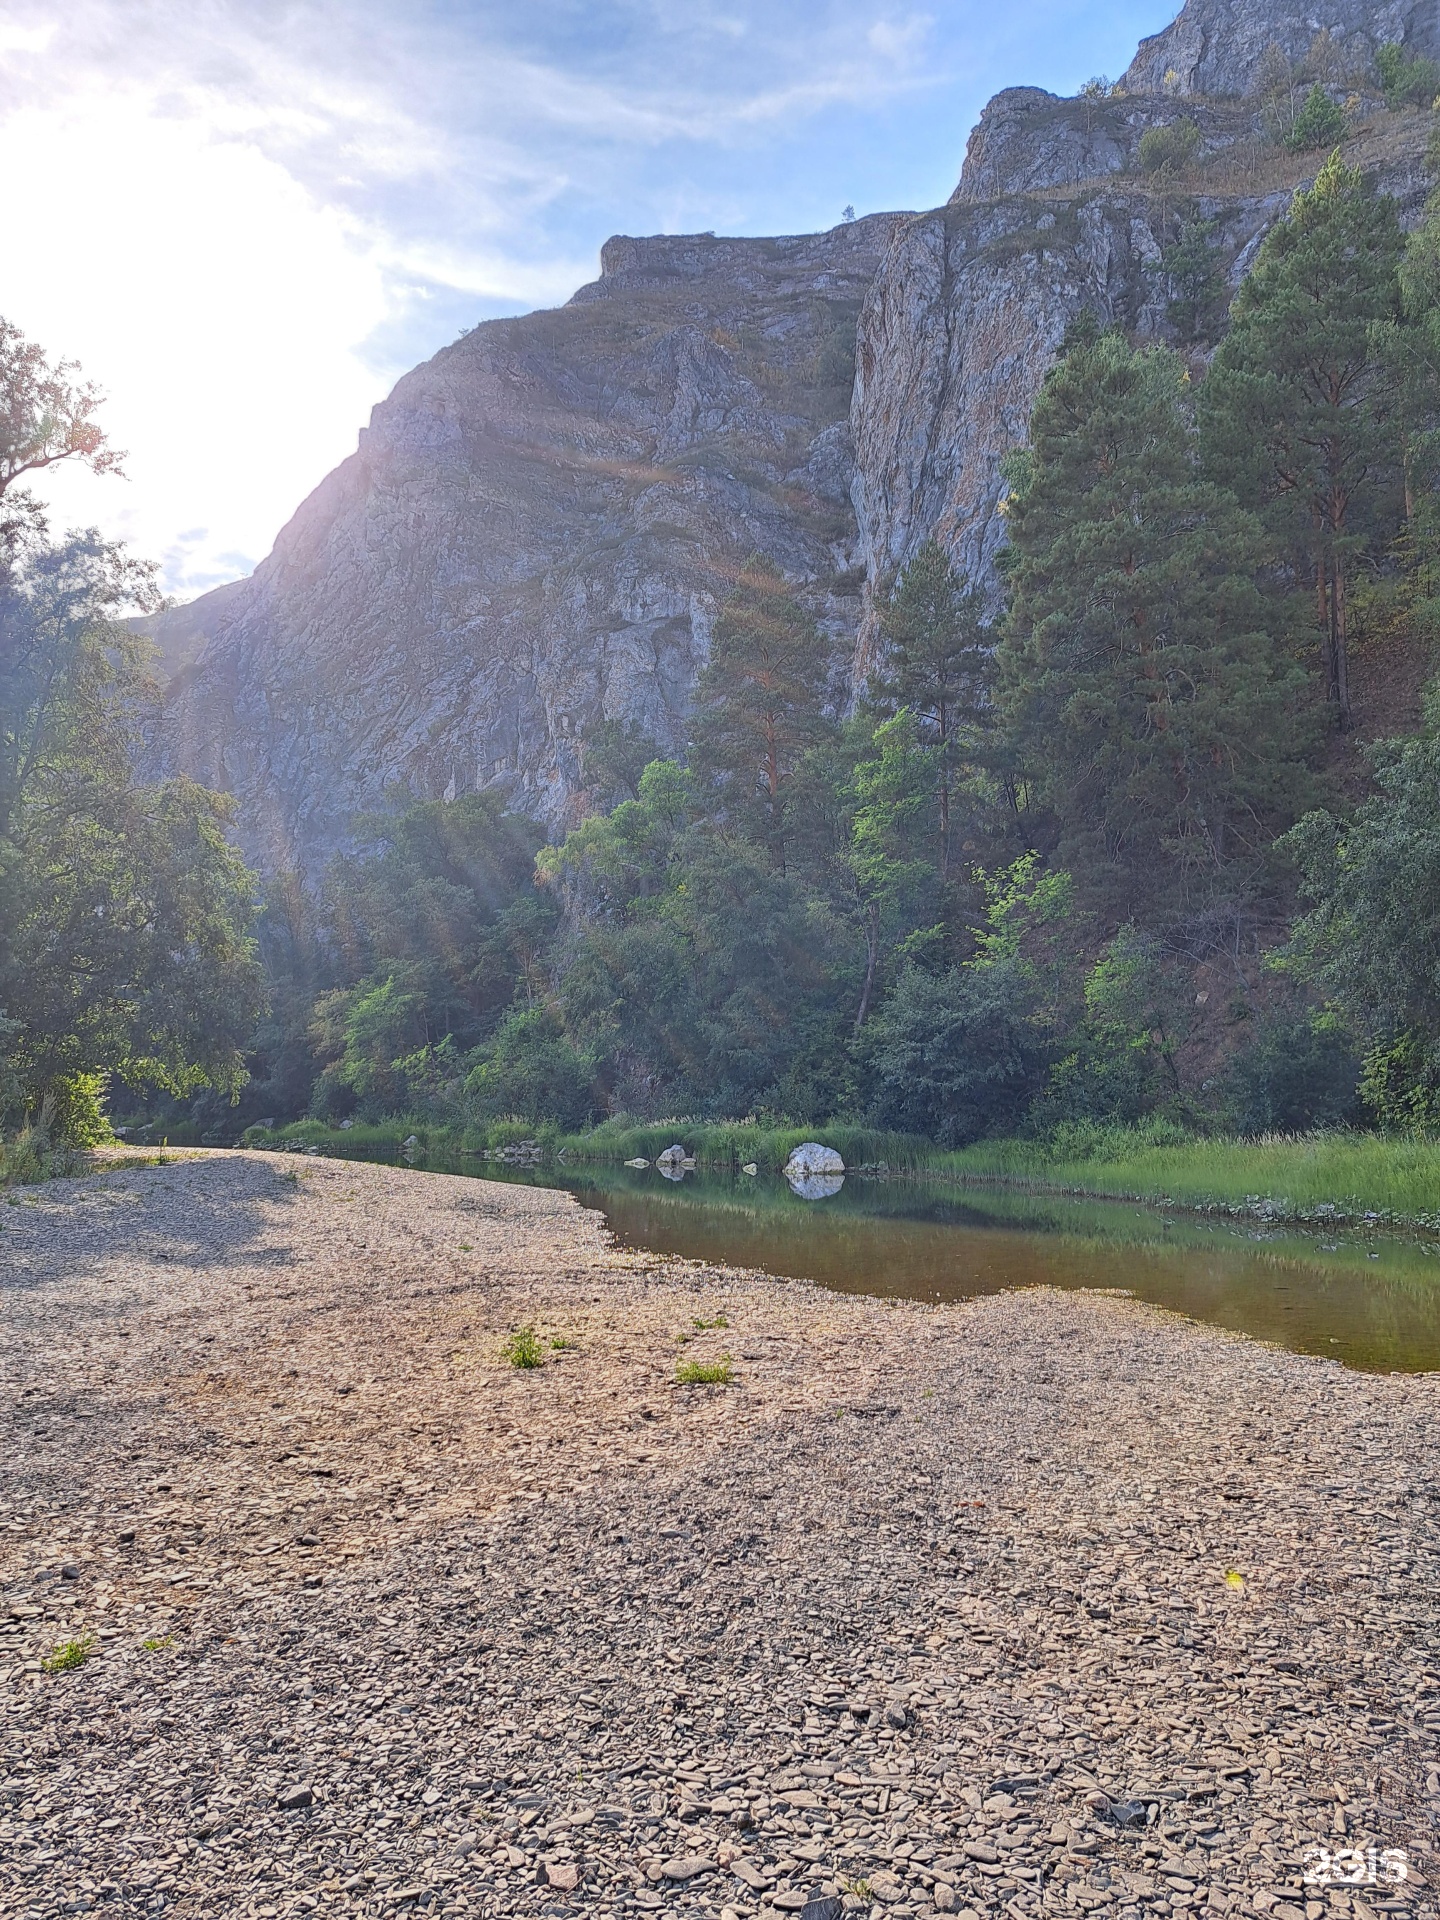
523, 1349
705, 1373
562, 1344
158, 1643
69, 1655
704, 1326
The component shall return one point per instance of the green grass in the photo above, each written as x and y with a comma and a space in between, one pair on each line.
159, 1643
705, 1326
705, 1373
69, 1655
1326, 1177
523, 1349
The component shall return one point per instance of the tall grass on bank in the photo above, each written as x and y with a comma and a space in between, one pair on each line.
1321, 1177
1325, 1177
32, 1157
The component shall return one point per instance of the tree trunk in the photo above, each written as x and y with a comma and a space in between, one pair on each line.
872, 956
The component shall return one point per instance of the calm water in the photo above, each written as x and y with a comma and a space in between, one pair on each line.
1368, 1301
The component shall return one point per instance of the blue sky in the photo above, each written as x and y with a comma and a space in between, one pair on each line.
247, 219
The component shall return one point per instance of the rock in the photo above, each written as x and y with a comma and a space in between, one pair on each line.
1220, 46
750, 1167
568, 492
411, 1140
813, 1158
943, 1897
289, 1798
638, 1162
685, 1867
565, 1876
896, 1714
672, 1157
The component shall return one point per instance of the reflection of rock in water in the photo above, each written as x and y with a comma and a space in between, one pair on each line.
815, 1186
673, 1169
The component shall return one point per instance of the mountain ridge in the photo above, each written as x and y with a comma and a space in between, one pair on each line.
538, 524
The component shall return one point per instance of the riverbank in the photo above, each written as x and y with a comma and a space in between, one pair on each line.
1037, 1604
1328, 1179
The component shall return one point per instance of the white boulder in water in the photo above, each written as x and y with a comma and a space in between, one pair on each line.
637, 1163
815, 1172
672, 1157
813, 1158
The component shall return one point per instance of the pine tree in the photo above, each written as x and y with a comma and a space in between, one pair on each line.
1141, 684
1294, 411
938, 663
759, 705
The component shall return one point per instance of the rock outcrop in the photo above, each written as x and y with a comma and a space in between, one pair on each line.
1223, 46
539, 523
533, 535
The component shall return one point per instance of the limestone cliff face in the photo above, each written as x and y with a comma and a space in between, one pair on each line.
539, 523
1053, 216
1221, 46
534, 534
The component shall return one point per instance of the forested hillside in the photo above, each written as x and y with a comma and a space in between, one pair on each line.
1147, 834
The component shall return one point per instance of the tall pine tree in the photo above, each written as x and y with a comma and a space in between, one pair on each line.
1295, 408
1147, 701
760, 702
937, 663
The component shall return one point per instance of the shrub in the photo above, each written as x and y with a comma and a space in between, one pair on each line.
69, 1655
1169, 149
523, 1349
1407, 82
1298, 1075
705, 1373
961, 1053
1319, 123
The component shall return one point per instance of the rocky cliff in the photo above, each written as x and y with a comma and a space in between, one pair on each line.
538, 524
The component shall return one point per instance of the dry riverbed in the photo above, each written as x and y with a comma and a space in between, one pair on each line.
1042, 1604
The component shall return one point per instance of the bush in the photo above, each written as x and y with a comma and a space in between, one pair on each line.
1169, 149
1400, 1082
1407, 82
1319, 123
533, 1069
959, 1054
1299, 1075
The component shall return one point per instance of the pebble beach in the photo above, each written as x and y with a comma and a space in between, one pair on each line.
311, 1601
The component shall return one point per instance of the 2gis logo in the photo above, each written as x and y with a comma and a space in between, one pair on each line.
1356, 1866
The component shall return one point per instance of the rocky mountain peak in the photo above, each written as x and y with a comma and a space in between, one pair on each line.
1221, 47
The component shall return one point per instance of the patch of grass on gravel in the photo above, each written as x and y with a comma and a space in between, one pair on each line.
523, 1349
69, 1655
705, 1326
159, 1643
705, 1373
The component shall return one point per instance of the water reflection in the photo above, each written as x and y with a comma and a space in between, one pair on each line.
1369, 1301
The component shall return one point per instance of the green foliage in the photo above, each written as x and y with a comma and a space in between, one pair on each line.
1120, 1061
705, 1373
1400, 1081
1298, 1075
760, 703
523, 1349
1319, 123
1295, 409
1169, 149
615, 754
532, 1068
1192, 267
938, 666
69, 1655
1407, 80
1370, 941
1150, 705
126, 948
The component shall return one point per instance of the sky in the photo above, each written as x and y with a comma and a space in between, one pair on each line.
247, 218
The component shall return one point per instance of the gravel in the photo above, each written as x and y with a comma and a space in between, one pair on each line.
1045, 1603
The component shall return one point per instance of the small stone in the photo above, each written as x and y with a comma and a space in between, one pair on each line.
944, 1897
896, 1714
289, 1798
308, 1540
685, 1867
564, 1875
69, 1571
